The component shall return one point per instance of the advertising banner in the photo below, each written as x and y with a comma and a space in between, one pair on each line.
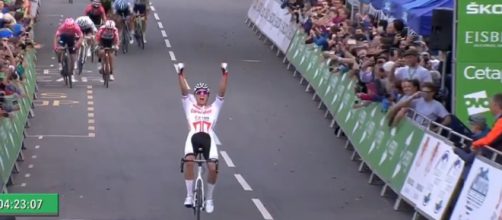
481, 196
433, 176
273, 21
478, 66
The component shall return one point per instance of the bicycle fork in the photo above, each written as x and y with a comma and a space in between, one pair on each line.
198, 180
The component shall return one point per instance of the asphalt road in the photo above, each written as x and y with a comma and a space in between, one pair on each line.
113, 154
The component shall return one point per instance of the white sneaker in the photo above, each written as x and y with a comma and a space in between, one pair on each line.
100, 66
188, 202
73, 78
60, 66
144, 39
131, 38
89, 52
209, 206
112, 78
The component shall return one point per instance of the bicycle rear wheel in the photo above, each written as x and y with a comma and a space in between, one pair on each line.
139, 33
64, 70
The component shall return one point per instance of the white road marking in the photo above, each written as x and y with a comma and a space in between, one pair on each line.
23, 184
27, 175
31, 166
243, 182
266, 215
251, 61
227, 159
34, 156
59, 80
91, 128
89, 92
152, 8
90, 115
92, 135
38, 146
90, 109
171, 54
60, 135
156, 16
89, 87
168, 44
91, 121
160, 25
90, 97
52, 65
55, 103
46, 71
90, 103
164, 34
84, 79
40, 137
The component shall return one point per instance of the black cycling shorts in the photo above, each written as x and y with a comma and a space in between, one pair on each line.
68, 40
106, 43
201, 143
123, 12
140, 8
86, 31
96, 19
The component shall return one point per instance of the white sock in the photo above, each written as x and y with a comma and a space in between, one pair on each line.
209, 192
189, 185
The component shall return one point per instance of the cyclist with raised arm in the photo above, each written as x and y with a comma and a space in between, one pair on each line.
66, 35
123, 8
201, 118
107, 37
89, 30
141, 8
96, 12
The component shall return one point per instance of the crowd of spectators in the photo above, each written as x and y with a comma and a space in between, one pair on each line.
391, 63
15, 38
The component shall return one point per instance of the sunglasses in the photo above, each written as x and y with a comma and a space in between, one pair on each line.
202, 92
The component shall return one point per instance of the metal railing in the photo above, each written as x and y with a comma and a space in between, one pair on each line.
448, 133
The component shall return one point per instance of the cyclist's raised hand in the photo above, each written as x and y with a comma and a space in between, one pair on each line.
224, 69
179, 68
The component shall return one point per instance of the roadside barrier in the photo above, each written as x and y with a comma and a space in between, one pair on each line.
417, 164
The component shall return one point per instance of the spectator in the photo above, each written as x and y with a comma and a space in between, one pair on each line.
295, 8
412, 69
494, 137
478, 126
426, 107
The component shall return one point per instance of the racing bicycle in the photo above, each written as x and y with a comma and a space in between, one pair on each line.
66, 71
198, 191
138, 30
82, 55
106, 71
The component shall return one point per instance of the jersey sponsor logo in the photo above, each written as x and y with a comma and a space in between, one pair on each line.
200, 111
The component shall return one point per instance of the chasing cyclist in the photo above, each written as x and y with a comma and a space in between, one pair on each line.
96, 12
123, 9
141, 8
107, 37
66, 35
89, 30
201, 118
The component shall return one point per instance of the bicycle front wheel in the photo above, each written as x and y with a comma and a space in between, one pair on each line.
198, 200
81, 59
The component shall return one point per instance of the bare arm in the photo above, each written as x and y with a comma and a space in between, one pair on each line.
182, 81
224, 80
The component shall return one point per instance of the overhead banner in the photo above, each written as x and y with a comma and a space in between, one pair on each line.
273, 21
433, 177
481, 196
478, 68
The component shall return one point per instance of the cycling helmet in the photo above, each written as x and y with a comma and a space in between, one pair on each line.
201, 86
96, 3
110, 24
121, 4
69, 22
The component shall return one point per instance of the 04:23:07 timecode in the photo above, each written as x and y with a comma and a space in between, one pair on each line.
20, 204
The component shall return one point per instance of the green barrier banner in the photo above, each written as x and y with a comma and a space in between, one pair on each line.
12, 128
478, 68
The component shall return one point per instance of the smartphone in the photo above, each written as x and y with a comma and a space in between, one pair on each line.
351, 42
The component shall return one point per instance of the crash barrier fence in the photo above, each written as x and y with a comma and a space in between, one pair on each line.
12, 128
413, 160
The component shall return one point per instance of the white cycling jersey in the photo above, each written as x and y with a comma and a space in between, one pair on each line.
201, 119
85, 22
